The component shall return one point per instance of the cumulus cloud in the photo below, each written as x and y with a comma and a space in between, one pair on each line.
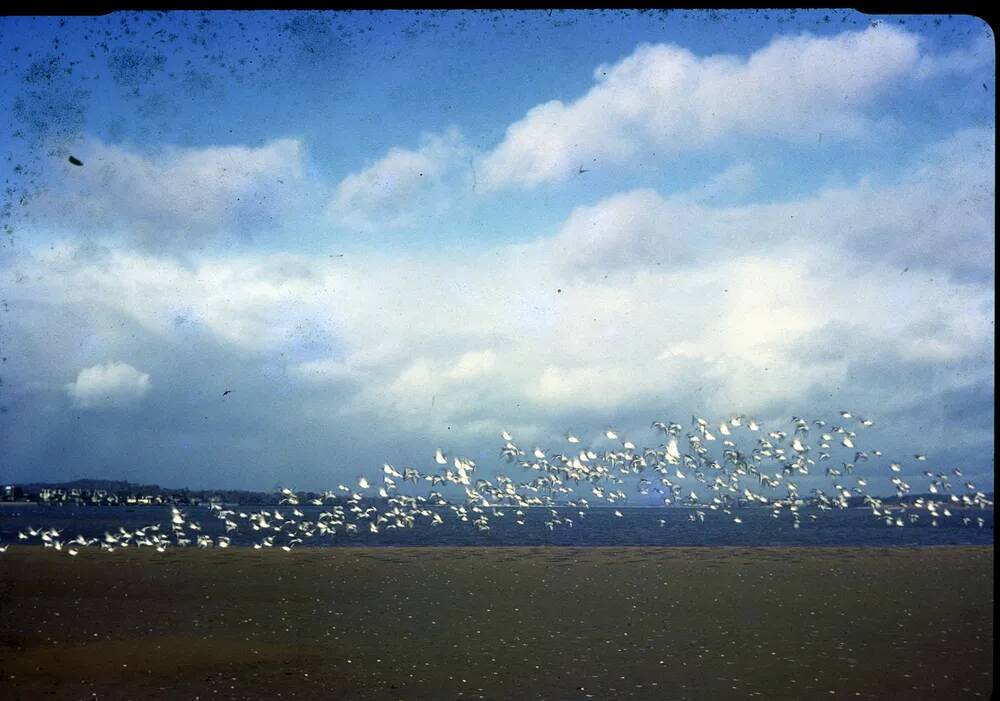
632, 228
326, 370
247, 301
980, 54
177, 198
113, 384
403, 186
769, 309
938, 213
512, 331
734, 183
664, 98
767, 334
633, 303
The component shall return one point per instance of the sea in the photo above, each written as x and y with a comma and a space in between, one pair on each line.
597, 526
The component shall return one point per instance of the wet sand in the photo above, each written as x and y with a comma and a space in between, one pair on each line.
498, 623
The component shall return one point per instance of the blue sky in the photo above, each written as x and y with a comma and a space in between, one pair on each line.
373, 228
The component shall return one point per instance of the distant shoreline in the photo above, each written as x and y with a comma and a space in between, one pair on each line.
602, 507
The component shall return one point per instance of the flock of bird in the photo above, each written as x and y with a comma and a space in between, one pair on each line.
682, 470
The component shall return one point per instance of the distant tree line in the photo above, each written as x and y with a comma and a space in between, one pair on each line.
120, 492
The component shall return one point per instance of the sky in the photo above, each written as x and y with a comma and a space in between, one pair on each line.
304, 244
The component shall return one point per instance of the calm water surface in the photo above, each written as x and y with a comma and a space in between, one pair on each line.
598, 527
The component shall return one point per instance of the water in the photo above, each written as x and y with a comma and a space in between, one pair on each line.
598, 526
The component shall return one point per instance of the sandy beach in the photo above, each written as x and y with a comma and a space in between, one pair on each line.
498, 623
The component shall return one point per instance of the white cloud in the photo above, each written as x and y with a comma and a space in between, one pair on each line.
632, 228
735, 182
979, 55
663, 98
938, 213
178, 197
109, 385
728, 325
403, 186
324, 371
473, 364
250, 302
739, 316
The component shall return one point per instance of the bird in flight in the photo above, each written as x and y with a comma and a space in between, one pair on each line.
228, 391
581, 170
75, 161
